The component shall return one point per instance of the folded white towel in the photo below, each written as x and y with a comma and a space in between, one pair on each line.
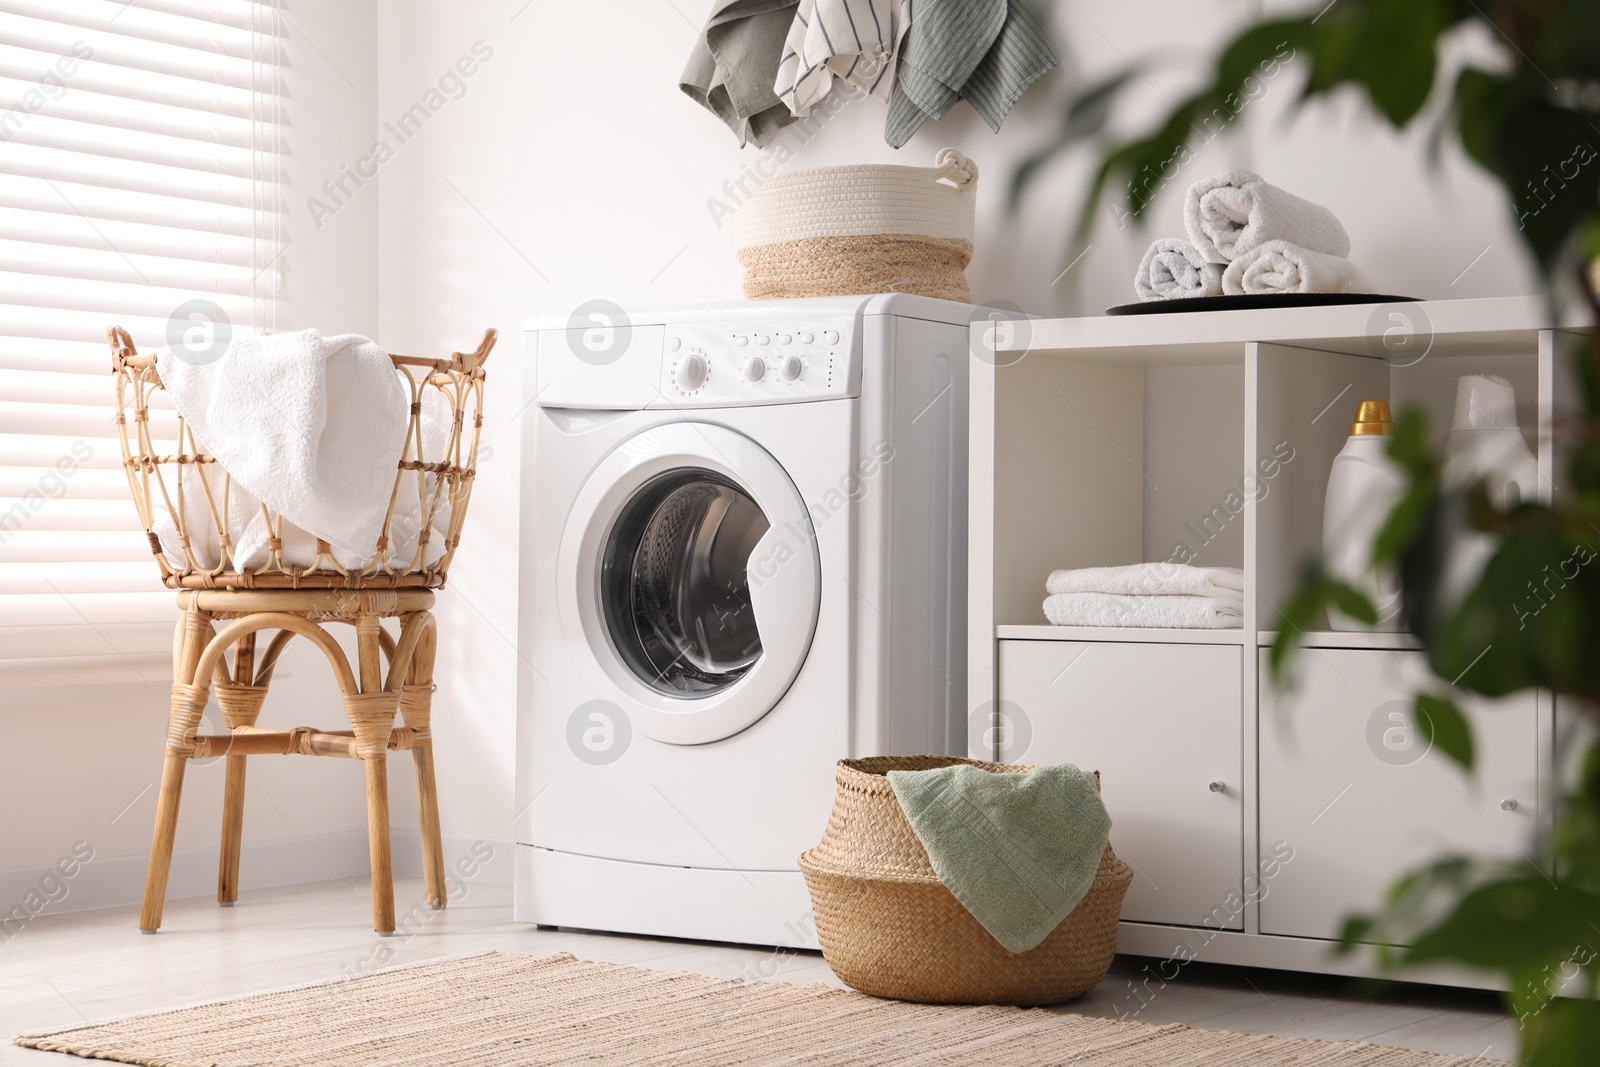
1173, 269
1227, 215
1151, 579
1281, 267
264, 409
1146, 612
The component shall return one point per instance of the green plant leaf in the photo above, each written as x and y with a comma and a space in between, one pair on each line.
1518, 924
1356, 931
1441, 724
1352, 602
1566, 1033
1298, 615
1393, 55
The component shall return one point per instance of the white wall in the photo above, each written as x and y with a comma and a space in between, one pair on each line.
570, 168
573, 168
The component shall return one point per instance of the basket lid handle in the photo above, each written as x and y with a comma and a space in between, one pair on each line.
952, 166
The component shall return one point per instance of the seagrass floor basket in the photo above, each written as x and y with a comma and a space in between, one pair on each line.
889, 927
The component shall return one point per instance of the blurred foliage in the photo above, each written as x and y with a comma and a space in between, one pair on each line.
1531, 121
1532, 618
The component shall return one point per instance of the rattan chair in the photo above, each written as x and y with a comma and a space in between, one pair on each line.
224, 607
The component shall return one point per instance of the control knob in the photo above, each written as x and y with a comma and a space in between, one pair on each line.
790, 367
755, 368
690, 373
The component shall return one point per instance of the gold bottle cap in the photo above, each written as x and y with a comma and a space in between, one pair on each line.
1372, 417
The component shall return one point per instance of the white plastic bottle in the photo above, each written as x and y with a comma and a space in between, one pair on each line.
1363, 488
1485, 444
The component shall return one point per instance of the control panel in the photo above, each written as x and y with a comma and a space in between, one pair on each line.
741, 362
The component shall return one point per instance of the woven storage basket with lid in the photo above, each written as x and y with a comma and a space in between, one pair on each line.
873, 228
889, 927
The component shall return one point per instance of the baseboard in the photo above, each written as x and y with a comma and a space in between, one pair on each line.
112, 881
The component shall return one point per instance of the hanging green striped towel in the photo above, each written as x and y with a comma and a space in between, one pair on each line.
1018, 850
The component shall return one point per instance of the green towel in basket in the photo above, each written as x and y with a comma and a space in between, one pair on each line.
1018, 850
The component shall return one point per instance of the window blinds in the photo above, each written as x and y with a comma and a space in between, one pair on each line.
139, 179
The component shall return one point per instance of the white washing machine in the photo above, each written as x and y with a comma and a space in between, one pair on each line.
743, 557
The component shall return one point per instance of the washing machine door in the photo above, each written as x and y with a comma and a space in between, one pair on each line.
689, 567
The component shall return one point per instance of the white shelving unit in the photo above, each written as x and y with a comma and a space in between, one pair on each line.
1256, 820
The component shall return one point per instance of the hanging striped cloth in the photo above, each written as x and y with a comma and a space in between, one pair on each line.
854, 40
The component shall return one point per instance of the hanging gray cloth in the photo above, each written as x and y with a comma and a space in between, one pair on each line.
988, 52
735, 62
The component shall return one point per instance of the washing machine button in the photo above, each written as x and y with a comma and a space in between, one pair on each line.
763, 339
755, 368
784, 339
806, 337
790, 368
831, 336
740, 339
674, 343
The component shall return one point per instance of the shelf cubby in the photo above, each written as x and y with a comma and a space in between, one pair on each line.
1107, 458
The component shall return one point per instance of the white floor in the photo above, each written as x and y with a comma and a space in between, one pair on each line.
85, 965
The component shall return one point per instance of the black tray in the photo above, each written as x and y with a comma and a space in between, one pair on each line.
1252, 301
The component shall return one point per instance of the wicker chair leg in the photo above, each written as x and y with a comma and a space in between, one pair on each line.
188, 705
241, 706
378, 844
428, 814
155, 879
372, 713
232, 832
416, 709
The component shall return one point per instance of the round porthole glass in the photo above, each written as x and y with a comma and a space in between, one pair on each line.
673, 585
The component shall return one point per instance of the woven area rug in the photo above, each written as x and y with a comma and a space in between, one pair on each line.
499, 1009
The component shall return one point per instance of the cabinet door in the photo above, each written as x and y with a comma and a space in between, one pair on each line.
1347, 784
1161, 723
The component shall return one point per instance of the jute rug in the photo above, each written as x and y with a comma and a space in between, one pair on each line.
497, 1009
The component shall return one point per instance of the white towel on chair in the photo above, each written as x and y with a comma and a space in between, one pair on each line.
1227, 215
1151, 579
1281, 267
312, 426
247, 525
1146, 612
1173, 269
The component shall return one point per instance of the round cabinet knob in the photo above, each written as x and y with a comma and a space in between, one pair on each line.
1508, 804
755, 368
1218, 787
806, 337
789, 369
763, 339
831, 336
784, 339
691, 372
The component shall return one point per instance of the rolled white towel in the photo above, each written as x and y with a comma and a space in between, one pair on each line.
1151, 579
1173, 269
1144, 612
1227, 215
1280, 267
